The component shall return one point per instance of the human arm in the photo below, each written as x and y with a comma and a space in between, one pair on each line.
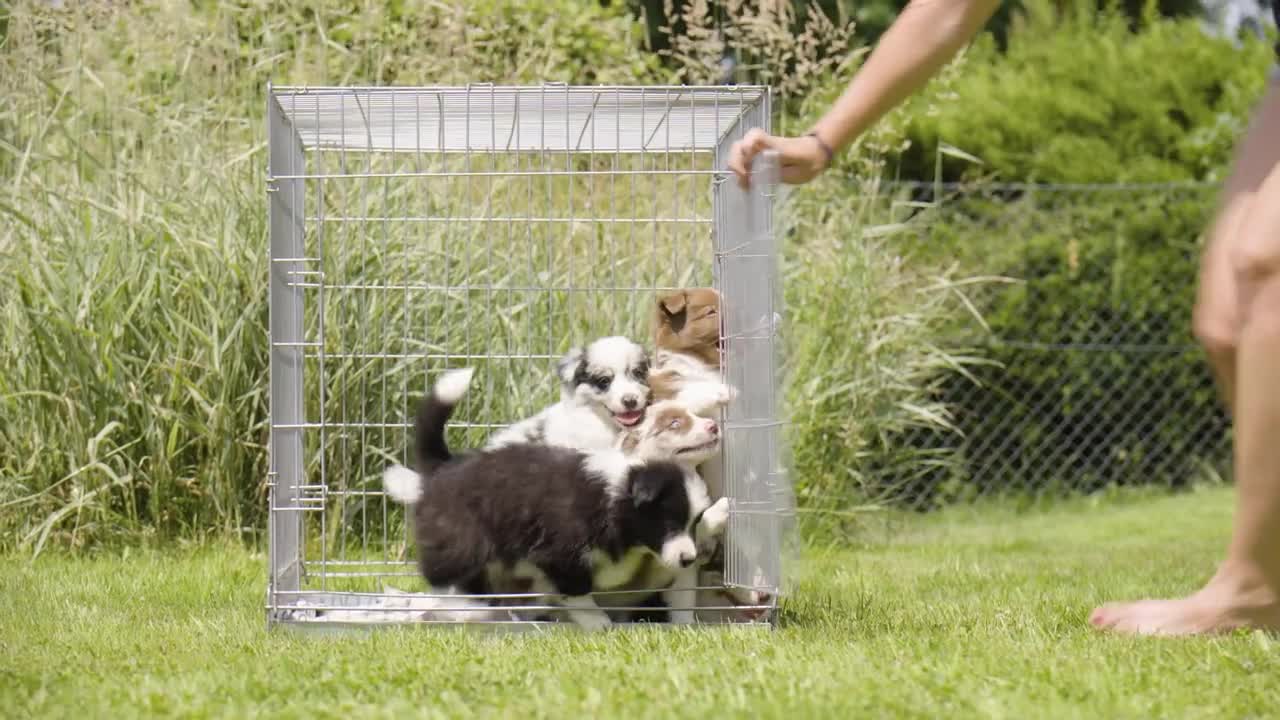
926, 35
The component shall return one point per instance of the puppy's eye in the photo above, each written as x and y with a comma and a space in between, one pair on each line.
710, 312
674, 425
601, 383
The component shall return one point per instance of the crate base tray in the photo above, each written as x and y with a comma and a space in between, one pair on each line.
333, 611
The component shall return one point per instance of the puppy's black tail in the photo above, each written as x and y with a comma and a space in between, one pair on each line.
434, 414
405, 485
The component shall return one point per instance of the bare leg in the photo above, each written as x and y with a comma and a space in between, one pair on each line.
1245, 592
1217, 315
1215, 318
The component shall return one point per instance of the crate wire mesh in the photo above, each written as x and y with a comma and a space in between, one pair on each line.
417, 230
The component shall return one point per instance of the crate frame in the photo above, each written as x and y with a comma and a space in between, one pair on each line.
745, 259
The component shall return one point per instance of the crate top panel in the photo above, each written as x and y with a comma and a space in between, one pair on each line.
548, 118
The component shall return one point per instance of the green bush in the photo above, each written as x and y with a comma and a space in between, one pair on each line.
1059, 403
1091, 377
1054, 404
1081, 97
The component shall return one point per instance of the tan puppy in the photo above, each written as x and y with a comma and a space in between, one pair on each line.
688, 321
686, 361
687, 335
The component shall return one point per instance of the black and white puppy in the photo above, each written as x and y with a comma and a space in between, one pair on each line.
562, 522
604, 389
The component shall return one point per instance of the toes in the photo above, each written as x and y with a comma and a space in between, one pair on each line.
1119, 617
1146, 617
1101, 616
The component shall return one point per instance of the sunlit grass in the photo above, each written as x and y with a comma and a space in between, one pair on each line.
967, 614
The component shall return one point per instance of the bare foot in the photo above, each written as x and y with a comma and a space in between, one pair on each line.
1224, 605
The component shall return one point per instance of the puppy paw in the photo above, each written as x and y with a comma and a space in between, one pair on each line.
744, 596
726, 394
585, 613
713, 521
590, 620
706, 398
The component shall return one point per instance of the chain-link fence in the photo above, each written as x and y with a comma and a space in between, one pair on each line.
1088, 374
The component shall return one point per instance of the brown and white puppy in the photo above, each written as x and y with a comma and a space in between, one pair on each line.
686, 360
669, 431
687, 367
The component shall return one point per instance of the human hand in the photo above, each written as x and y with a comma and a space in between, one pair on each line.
800, 159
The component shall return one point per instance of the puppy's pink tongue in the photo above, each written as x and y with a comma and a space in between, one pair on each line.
630, 418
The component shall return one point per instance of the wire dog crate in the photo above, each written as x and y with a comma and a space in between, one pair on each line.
417, 230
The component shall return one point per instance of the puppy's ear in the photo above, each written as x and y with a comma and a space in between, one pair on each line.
646, 487
568, 365
672, 303
708, 297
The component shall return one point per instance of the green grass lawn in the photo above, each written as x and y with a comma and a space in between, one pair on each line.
967, 614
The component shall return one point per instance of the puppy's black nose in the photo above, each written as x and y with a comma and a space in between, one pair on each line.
630, 402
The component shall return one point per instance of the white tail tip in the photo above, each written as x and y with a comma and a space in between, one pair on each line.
402, 484
453, 385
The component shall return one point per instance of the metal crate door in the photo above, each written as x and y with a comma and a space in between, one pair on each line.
755, 477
